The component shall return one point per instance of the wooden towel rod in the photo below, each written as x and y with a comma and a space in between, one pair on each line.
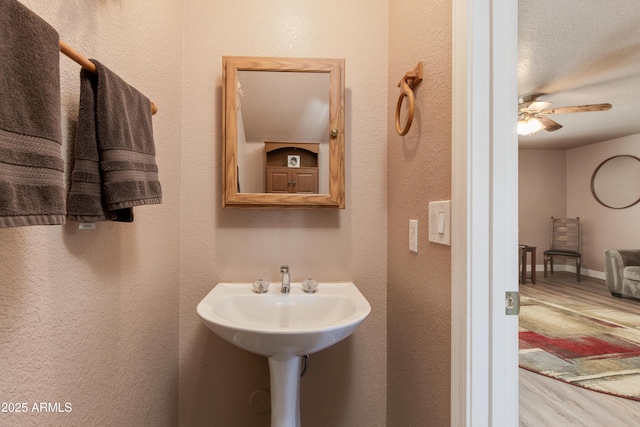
87, 65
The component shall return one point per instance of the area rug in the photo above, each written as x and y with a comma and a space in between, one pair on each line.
587, 346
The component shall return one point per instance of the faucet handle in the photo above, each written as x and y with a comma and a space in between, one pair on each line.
284, 269
261, 286
310, 286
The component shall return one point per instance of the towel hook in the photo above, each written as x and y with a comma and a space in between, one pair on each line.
410, 80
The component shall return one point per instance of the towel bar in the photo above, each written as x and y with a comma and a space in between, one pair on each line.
86, 64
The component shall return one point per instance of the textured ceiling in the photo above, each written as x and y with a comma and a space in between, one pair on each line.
585, 52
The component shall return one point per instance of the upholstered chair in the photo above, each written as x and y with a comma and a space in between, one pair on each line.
622, 271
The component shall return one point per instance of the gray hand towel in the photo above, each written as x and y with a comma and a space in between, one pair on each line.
31, 166
115, 166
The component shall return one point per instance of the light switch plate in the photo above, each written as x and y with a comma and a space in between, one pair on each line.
413, 235
440, 222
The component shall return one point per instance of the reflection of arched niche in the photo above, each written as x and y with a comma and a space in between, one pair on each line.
291, 167
616, 182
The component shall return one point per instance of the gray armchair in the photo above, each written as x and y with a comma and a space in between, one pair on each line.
622, 270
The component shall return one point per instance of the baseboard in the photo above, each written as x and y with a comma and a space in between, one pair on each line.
583, 271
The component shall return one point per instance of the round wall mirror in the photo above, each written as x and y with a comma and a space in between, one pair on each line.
616, 182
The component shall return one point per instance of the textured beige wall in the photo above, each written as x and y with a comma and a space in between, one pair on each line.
542, 193
91, 317
602, 227
345, 384
419, 171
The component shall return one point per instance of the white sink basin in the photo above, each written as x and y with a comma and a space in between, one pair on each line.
277, 324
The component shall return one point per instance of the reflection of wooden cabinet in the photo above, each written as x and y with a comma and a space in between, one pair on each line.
284, 179
292, 180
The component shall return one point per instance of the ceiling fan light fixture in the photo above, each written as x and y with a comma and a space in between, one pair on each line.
529, 126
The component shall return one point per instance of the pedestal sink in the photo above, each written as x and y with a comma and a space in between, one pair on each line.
284, 327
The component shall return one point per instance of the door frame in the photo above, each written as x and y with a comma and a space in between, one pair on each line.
484, 362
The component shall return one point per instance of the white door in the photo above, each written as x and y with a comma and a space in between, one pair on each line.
485, 213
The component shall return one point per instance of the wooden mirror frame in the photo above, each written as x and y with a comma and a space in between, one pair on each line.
599, 197
231, 198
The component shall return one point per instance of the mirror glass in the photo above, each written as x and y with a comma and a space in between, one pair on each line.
289, 109
283, 132
616, 182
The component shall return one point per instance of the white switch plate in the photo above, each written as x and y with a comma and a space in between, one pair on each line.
413, 235
440, 222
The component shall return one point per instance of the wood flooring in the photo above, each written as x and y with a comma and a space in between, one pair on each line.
545, 402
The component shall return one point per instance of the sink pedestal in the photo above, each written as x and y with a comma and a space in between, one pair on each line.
284, 372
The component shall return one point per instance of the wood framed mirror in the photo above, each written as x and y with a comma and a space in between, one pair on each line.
616, 182
283, 133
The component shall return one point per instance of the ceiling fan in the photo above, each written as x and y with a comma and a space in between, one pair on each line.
532, 114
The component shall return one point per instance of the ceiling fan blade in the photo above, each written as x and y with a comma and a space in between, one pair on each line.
577, 109
537, 106
548, 124
526, 100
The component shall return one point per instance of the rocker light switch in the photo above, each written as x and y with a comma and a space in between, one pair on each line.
440, 222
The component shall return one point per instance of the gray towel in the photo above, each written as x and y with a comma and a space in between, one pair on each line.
31, 166
115, 166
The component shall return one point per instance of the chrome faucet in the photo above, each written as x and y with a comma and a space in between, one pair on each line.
286, 281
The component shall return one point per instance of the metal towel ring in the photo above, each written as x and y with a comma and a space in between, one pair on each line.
410, 80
